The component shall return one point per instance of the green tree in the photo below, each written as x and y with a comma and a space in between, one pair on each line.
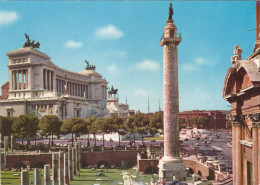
117, 125
5, 126
142, 124
94, 130
203, 122
156, 123
181, 122
50, 125
18, 128
74, 126
131, 125
26, 126
89, 122
103, 127
194, 121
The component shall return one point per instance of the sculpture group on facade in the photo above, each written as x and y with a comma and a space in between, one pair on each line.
112, 91
30, 43
89, 66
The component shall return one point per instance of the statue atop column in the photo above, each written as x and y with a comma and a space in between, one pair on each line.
170, 12
30, 43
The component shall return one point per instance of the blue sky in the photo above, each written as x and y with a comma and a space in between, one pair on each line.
122, 38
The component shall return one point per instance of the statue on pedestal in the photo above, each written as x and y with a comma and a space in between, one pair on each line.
112, 91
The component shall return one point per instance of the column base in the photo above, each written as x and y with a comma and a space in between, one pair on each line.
171, 166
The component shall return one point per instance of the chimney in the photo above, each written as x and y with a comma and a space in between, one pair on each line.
257, 43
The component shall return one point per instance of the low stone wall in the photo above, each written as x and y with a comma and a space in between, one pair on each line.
33, 160
129, 158
111, 157
144, 164
197, 167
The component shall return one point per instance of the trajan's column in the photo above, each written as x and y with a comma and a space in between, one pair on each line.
170, 164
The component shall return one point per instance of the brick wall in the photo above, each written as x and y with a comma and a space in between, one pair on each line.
89, 158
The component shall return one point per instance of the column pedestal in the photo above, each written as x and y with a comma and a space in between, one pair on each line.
170, 167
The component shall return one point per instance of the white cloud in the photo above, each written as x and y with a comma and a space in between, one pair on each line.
109, 32
148, 65
188, 67
73, 44
7, 17
196, 64
140, 92
202, 98
200, 61
112, 68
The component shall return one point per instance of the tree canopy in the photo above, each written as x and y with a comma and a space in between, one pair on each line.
50, 125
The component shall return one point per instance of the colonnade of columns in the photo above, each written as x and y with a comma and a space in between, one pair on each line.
20, 79
48, 79
75, 89
60, 85
104, 92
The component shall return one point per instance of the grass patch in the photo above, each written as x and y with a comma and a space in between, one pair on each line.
112, 176
8, 177
87, 176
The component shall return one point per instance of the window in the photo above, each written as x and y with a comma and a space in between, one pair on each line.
78, 113
9, 112
249, 173
171, 33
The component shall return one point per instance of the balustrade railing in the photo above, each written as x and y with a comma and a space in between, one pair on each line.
178, 35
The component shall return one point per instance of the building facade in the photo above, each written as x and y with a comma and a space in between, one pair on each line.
242, 89
217, 119
37, 85
114, 107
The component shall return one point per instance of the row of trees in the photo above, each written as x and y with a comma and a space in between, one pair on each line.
201, 122
27, 126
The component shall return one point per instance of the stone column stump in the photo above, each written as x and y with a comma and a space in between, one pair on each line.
55, 166
66, 170
47, 178
70, 165
25, 177
74, 169
37, 176
61, 168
